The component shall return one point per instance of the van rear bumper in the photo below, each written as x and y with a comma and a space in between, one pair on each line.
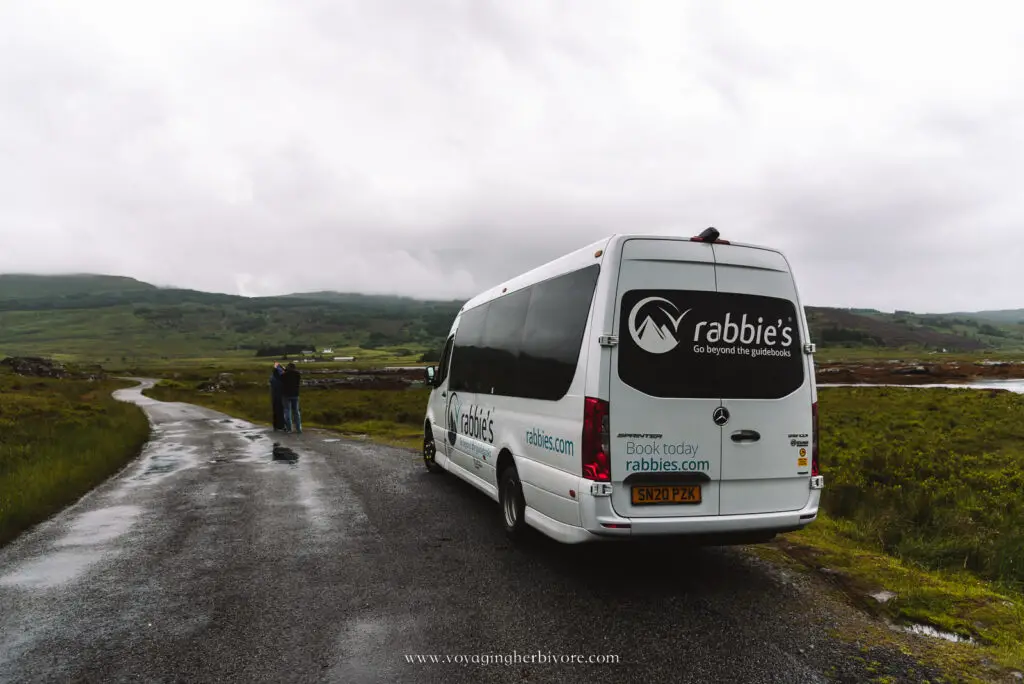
599, 519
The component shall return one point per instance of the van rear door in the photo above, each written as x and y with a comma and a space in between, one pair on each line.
665, 445
765, 382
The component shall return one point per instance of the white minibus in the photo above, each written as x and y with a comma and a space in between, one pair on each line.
642, 386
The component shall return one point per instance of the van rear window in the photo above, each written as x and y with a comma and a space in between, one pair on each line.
700, 344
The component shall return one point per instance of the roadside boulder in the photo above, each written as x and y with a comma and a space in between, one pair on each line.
223, 382
36, 367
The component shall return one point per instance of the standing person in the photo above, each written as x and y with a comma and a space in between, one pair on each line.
290, 382
276, 398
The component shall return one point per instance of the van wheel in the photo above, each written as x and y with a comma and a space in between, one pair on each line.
513, 506
429, 454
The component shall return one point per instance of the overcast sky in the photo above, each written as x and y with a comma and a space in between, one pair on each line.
434, 148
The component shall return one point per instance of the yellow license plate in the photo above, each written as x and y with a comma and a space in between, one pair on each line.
666, 494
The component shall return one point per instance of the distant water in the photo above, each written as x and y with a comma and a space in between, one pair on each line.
1011, 385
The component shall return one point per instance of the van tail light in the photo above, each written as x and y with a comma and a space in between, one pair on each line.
815, 470
596, 440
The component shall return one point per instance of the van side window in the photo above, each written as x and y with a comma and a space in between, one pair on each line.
553, 333
499, 353
527, 343
446, 357
466, 370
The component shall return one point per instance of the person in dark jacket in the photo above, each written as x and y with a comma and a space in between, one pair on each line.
290, 382
276, 398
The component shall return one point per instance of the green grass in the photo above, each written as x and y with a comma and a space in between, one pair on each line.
58, 440
935, 476
956, 602
389, 416
924, 499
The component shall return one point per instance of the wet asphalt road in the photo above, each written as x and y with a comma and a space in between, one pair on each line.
213, 558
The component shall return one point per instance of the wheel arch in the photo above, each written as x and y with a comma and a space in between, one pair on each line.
505, 460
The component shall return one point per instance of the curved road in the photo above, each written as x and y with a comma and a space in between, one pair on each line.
216, 557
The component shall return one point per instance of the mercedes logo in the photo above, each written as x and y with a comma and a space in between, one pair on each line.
720, 416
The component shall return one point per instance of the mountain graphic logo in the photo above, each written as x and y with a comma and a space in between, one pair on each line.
454, 417
658, 328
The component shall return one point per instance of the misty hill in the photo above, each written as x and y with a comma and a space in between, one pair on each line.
103, 317
22, 286
1012, 316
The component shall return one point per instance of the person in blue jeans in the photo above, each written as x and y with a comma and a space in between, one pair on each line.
291, 380
276, 400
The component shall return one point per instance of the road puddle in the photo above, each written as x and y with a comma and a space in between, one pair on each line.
89, 539
160, 459
100, 526
283, 453
1016, 386
52, 570
929, 631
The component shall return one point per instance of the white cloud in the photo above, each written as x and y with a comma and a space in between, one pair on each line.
435, 148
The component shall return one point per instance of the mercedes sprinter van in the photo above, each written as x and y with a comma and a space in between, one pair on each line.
644, 385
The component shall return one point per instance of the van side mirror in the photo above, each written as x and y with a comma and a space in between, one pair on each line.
430, 373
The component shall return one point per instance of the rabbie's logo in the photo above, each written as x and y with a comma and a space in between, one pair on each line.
772, 334
655, 322
474, 422
658, 330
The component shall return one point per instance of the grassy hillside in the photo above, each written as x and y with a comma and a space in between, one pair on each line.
109, 319
953, 332
142, 322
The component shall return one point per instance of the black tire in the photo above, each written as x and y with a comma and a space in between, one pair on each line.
430, 453
512, 504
